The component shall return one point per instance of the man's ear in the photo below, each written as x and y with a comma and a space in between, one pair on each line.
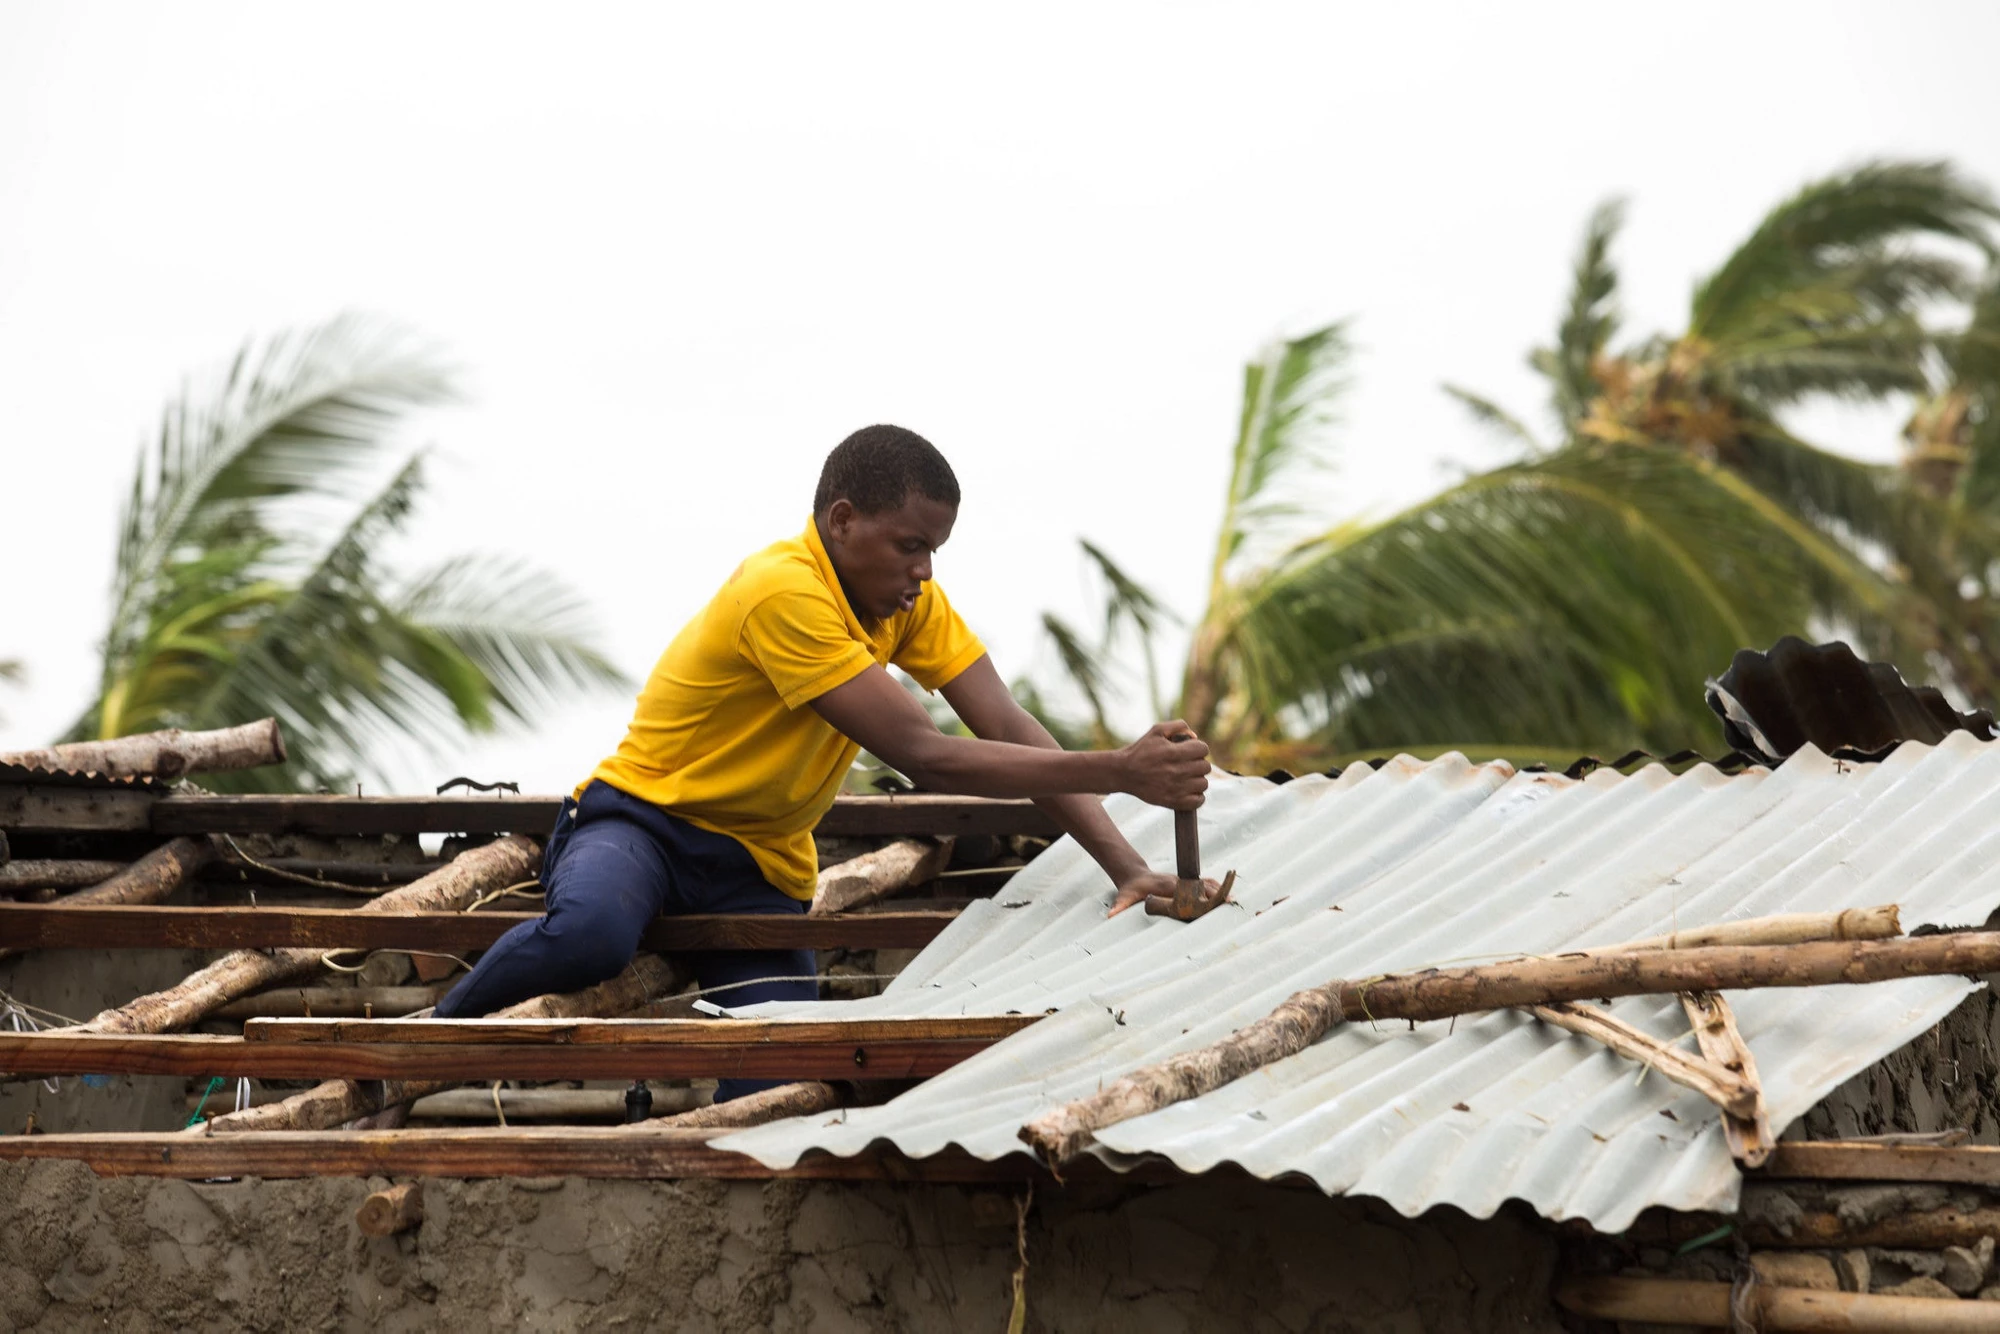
839, 518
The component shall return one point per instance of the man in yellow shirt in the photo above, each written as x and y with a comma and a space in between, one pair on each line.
752, 717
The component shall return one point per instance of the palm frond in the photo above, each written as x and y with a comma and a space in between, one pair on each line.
1504, 425
1289, 398
1080, 664
1130, 605
1830, 219
1589, 319
527, 635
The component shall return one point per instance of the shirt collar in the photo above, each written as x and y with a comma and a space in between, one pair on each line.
832, 578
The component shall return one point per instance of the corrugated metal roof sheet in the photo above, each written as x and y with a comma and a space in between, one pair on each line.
1825, 695
1425, 864
14, 774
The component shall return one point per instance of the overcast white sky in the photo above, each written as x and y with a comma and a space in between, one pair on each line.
681, 253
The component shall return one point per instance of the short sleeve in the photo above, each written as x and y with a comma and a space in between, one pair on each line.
936, 645
800, 642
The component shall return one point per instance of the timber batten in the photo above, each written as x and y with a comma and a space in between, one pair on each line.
60, 926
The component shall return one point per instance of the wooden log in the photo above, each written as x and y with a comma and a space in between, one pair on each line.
1675, 1302
387, 1212
475, 872
755, 1109
1837, 1160
1747, 1129
579, 1106
167, 754
603, 1152
152, 878
331, 1002
880, 874
870, 1049
1878, 923
53, 873
60, 925
1819, 1229
1304, 1017
1725, 1088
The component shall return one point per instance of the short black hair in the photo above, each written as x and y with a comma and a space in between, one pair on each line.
877, 467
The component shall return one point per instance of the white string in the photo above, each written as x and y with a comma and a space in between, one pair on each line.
23, 1022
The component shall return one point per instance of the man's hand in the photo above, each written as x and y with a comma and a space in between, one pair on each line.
1168, 766
1133, 892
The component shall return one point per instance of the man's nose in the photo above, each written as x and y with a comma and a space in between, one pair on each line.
921, 571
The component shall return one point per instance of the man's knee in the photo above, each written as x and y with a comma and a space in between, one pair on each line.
584, 957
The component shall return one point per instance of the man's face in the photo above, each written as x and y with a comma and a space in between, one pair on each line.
884, 560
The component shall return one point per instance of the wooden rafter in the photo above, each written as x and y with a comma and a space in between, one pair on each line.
508, 1049
60, 926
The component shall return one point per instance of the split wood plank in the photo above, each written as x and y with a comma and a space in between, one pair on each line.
603, 1152
59, 926
753, 1053
63, 808
1727, 1089
1844, 1160
1747, 1130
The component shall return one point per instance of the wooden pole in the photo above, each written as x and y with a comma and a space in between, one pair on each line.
1675, 1302
338, 1101
331, 1003
1304, 1017
167, 754
754, 1109
1878, 923
881, 874
500, 863
387, 1212
52, 873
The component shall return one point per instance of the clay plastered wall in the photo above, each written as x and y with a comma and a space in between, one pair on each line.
139, 1254
1947, 1079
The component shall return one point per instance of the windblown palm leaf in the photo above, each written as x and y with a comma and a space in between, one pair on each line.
247, 585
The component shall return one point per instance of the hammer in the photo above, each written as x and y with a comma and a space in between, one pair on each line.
1189, 899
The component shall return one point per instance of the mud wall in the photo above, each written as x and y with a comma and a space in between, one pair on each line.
142, 1254
1949, 1078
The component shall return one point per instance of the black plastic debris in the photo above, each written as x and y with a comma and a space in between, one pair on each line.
1771, 704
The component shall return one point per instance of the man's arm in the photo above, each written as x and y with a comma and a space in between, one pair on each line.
1013, 755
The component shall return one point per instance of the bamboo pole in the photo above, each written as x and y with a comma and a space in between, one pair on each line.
502, 862
754, 1109
387, 1212
167, 754
1305, 1016
338, 1101
1877, 923
1725, 1088
1663, 1301
904, 864
151, 879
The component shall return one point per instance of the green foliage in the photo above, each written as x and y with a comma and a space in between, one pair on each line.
252, 578
1575, 599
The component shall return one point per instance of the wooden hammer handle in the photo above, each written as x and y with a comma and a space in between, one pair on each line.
1187, 846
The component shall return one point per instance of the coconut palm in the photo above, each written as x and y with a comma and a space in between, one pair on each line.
253, 577
1575, 597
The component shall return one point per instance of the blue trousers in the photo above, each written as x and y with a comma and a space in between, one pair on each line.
612, 864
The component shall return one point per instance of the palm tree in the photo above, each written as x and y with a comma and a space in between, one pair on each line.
1575, 597
252, 577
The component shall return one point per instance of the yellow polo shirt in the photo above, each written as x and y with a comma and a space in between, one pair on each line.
722, 736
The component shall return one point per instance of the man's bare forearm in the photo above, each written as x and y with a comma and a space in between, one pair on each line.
1081, 817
